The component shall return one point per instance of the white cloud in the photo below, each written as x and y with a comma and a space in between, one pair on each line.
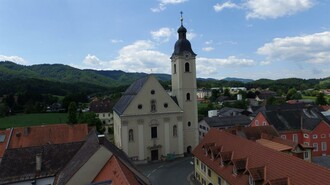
162, 35
191, 35
263, 9
209, 42
314, 48
115, 41
92, 60
16, 59
219, 7
163, 3
263, 63
211, 67
140, 56
207, 49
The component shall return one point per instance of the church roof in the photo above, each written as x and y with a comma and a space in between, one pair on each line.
129, 95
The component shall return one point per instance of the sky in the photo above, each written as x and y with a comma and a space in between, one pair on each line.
239, 38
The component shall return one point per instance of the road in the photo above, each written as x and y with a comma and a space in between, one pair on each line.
172, 172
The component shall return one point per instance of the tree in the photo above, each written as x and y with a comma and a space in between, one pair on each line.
72, 113
92, 120
320, 99
215, 95
226, 92
293, 94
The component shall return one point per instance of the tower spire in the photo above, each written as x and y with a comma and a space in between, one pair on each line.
181, 19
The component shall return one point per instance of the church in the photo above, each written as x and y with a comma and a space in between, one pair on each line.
148, 122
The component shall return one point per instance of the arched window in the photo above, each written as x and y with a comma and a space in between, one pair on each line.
188, 96
130, 135
175, 131
174, 68
186, 67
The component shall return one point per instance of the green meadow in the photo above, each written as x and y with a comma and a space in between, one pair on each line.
20, 120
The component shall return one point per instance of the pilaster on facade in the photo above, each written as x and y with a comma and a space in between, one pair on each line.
141, 141
124, 135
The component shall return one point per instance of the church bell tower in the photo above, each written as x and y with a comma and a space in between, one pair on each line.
184, 88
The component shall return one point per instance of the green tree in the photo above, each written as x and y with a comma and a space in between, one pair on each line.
320, 99
92, 120
72, 113
226, 92
3, 110
215, 95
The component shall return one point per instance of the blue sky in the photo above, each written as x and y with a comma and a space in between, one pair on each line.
238, 38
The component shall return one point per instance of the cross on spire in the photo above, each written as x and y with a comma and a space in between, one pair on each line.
181, 18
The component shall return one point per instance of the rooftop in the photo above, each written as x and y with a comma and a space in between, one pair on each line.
47, 134
269, 164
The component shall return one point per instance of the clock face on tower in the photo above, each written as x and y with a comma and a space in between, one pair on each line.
186, 54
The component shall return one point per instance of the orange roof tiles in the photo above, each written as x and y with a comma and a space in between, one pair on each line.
277, 165
116, 171
273, 145
47, 134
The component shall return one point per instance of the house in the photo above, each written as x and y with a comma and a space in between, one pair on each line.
148, 122
37, 164
304, 125
103, 110
229, 111
221, 123
203, 93
103, 162
269, 137
224, 158
46, 134
68, 163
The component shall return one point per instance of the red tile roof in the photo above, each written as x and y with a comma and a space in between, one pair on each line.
117, 172
274, 166
47, 134
4, 135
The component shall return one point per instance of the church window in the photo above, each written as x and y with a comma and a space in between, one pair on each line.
153, 132
165, 105
152, 91
189, 123
140, 106
186, 67
153, 106
130, 135
175, 131
188, 96
174, 69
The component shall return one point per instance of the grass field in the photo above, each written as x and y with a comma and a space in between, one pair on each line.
32, 119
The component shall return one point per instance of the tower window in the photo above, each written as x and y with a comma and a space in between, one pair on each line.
140, 106
174, 69
189, 123
130, 135
188, 96
186, 67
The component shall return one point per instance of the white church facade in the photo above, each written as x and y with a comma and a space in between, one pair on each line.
149, 123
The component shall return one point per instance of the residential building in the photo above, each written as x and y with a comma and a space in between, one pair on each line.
224, 158
269, 137
148, 123
304, 125
221, 123
203, 93
68, 163
103, 110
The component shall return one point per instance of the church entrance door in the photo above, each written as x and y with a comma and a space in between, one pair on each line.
154, 155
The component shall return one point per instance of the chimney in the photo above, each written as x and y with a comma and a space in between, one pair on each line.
38, 162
